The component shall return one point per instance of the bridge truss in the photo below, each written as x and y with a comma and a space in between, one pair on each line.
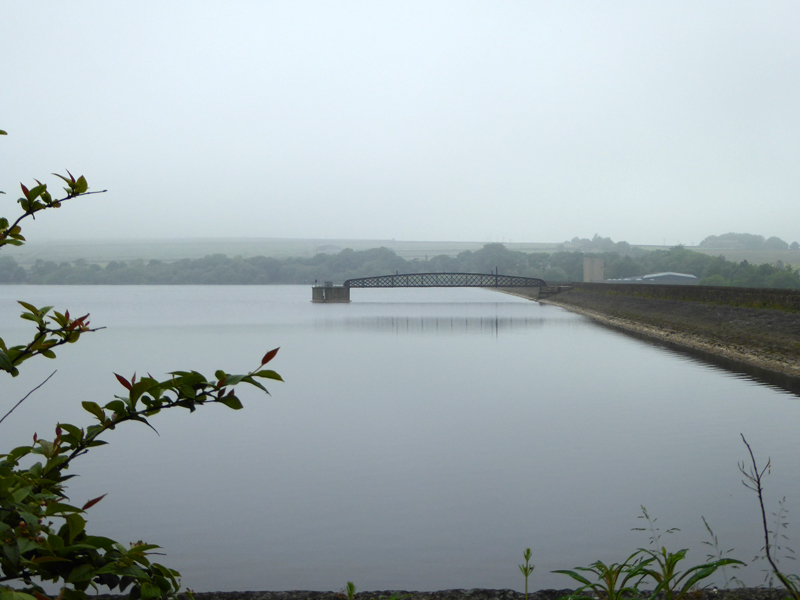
444, 280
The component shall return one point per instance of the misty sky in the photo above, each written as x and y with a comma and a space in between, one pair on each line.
525, 121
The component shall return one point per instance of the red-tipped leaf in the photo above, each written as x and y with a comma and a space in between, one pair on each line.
91, 503
125, 383
269, 356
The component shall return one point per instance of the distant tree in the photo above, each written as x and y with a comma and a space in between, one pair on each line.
775, 243
10, 271
558, 266
784, 278
734, 241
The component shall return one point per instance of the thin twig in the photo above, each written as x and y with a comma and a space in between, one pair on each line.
26, 396
755, 477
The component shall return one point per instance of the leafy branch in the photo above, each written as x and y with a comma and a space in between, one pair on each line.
31, 498
148, 396
53, 330
43, 537
36, 199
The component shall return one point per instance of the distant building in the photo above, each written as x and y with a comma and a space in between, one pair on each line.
593, 268
662, 278
328, 249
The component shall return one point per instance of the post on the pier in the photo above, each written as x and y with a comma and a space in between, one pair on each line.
329, 293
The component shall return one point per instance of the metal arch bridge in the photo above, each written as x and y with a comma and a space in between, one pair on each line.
445, 280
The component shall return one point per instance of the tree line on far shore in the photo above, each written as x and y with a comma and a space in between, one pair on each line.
219, 269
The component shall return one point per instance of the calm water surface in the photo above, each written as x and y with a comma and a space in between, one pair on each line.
422, 439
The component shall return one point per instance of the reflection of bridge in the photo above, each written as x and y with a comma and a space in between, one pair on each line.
331, 293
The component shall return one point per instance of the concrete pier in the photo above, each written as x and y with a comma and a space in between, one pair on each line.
328, 293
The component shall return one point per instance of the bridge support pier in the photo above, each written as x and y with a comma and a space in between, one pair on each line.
329, 293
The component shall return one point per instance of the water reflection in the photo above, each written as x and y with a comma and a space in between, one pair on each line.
401, 325
738, 369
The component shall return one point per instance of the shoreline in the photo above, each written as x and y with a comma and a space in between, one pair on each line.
710, 593
761, 343
779, 365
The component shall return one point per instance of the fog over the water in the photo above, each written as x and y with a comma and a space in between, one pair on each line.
648, 121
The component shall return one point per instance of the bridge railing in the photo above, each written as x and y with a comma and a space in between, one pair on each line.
444, 280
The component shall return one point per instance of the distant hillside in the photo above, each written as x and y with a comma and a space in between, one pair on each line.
105, 251
326, 265
747, 241
755, 249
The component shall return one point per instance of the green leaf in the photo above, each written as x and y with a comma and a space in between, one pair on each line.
5, 592
132, 571
574, 575
139, 388
94, 408
46, 559
5, 362
252, 381
83, 572
117, 406
99, 541
29, 307
76, 525
20, 494
55, 541
20, 451
70, 594
26, 544
12, 553
60, 509
268, 375
36, 191
231, 402
75, 431
143, 548
150, 591
68, 181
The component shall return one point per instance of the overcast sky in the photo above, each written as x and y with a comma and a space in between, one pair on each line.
528, 121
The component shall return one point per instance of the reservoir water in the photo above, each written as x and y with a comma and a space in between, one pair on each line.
423, 438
